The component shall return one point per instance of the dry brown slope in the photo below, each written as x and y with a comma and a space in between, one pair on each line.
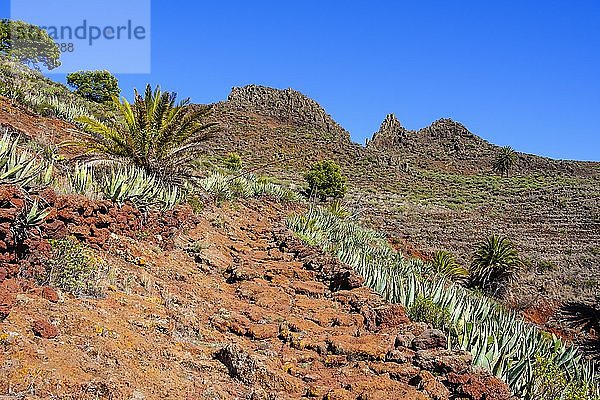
224, 305
447, 198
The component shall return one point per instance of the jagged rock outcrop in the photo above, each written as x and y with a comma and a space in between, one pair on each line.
442, 138
447, 128
285, 105
391, 133
445, 143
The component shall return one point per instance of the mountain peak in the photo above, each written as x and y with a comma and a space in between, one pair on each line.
446, 128
286, 105
391, 133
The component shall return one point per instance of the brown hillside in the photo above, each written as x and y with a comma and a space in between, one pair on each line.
222, 305
434, 188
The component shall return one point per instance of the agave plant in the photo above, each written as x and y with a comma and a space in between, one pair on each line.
30, 216
226, 187
121, 184
81, 180
18, 167
153, 133
498, 339
495, 264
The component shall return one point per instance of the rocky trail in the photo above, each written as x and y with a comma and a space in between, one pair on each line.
226, 304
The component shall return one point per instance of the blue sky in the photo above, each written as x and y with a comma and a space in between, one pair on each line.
519, 73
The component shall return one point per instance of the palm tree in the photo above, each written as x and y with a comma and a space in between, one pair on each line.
444, 263
495, 265
153, 133
505, 160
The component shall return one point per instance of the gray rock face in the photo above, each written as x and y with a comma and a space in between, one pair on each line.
285, 105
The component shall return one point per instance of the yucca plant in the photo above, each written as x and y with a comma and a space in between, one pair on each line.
153, 133
495, 265
444, 264
505, 160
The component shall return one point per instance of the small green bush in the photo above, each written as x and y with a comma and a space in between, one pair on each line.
74, 268
232, 162
425, 310
325, 180
552, 383
98, 86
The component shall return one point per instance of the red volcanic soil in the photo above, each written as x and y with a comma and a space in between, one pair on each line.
226, 304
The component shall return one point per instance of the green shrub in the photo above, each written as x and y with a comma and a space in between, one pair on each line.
232, 162
552, 383
74, 268
424, 309
495, 265
98, 86
325, 180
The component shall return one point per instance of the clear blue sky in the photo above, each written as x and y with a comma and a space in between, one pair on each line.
519, 73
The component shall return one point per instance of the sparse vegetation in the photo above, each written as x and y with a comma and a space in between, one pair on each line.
325, 180
44, 96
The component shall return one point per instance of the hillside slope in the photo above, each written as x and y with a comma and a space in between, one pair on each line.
227, 304
434, 188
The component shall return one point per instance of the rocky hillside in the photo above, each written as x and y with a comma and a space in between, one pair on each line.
226, 304
445, 143
433, 188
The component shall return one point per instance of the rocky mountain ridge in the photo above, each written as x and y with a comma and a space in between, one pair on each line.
289, 106
435, 189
